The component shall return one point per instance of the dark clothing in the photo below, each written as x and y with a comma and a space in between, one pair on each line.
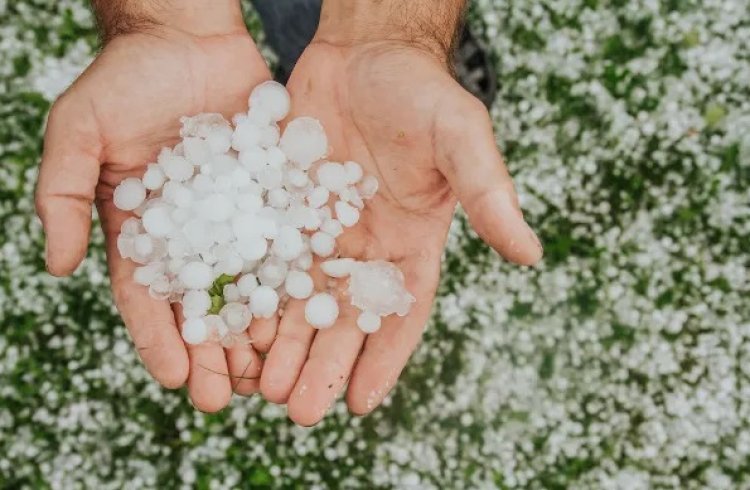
290, 26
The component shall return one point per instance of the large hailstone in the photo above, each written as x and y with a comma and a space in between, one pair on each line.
378, 287
304, 141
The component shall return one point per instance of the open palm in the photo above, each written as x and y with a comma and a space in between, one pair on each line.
398, 112
109, 125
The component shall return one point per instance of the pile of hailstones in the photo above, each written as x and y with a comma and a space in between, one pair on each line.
227, 222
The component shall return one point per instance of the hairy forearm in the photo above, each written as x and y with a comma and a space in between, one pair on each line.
432, 24
197, 17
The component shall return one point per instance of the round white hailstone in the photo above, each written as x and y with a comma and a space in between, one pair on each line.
231, 265
175, 265
219, 141
177, 168
318, 197
304, 141
183, 197
354, 172
252, 248
197, 151
222, 232
298, 284
355, 199
223, 184
247, 284
332, 176
196, 302
347, 214
267, 225
147, 274
196, 275
368, 187
269, 136
322, 244
168, 192
251, 203
297, 177
178, 247
208, 258
129, 194
143, 244
273, 98
275, 157
202, 184
180, 216
154, 177
231, 293
332, 227
288, 245
270, 177
161, 288
237, 316
321, 311
223, 165
258, 116
198, 233
126, 246
216, 208
157, 221
368, 322
240, 178
264, 301
204, 125
194, 331
273, 272
253, 159
278, 198
338, 267
246, 136
131, 226
313, 220
296, 215
304, 262
325, 213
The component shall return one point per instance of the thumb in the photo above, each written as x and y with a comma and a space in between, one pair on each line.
470, 161
67, 183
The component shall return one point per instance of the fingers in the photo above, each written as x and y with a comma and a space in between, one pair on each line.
209, 384
151, 323
67, 181
387, 351
245, 366
469, 159
332, 356
287, 355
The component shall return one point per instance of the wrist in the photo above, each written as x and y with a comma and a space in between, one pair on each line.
195, 17
429, 25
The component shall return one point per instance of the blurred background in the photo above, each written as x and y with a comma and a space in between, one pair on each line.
622, 362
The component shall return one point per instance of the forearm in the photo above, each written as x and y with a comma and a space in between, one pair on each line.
197, 17
432, 24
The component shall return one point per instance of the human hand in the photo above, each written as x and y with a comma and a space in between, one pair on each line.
393, 107
158, 64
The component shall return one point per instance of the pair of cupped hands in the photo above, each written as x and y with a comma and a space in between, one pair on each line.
392, 106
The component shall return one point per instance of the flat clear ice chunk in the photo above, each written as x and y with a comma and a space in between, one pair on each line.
378, 287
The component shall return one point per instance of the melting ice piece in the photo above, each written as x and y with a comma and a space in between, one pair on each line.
378, 287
